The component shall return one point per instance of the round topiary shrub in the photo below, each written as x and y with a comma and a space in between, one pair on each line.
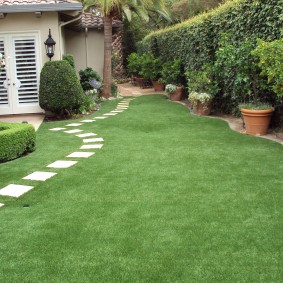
60, 90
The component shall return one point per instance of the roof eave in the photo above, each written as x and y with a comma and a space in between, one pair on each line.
41, 7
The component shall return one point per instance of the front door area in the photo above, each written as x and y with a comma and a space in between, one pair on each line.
19, 81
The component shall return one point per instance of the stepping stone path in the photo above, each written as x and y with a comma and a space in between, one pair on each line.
16, 190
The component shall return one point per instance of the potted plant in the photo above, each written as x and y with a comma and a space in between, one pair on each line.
257, 114
200, 97
151, 69
170, 90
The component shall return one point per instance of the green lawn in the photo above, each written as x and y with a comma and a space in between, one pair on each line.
170, 197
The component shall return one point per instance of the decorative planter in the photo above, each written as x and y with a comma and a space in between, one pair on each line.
202, 110
158, 86
256, 121
177, 95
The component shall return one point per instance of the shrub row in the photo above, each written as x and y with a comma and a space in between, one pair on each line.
16, 140
199, 42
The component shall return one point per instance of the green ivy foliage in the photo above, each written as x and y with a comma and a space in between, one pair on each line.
196, 42
15, 140
60, 89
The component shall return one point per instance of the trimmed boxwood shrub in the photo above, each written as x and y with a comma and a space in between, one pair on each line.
60, 89
16, 140
70, 59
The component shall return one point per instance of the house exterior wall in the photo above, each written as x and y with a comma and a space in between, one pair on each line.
14, 23
87, 48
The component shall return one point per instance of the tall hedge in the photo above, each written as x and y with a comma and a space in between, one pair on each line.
195, 41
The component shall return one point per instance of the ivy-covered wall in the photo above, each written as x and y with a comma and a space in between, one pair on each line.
197, 42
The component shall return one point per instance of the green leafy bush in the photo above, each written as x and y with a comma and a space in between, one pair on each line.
134, 63
150, 67
70, 59
270, 56
60, 89
86, 76
16, 140
171, 72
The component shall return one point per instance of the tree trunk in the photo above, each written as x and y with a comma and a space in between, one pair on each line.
107, 70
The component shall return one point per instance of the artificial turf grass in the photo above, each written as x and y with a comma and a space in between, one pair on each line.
169, 198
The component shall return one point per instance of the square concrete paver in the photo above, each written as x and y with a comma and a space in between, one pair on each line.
82, 154
39, 176
74, 125
62, 164
57, 129
93, 140
86, 135
15, 190
2, 204
73, 131
91, 146
117, 111
110, 114
87, 121
100, 117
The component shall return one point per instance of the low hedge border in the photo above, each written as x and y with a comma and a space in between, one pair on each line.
16, 140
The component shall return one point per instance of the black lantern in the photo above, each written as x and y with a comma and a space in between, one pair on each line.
50, 46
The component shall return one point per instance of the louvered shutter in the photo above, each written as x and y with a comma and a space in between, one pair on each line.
3, 91
26, 70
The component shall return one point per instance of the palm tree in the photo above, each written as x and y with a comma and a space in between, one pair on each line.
119, 9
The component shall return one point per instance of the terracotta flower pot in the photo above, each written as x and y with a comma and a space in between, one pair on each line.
177, 95
201, 110
158, 86
256, 121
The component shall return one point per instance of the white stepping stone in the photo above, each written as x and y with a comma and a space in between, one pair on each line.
87, 121
82, 154
91, 146
73, 125
93, 140
57, 129
86, 135
122, 107
39, 176
110, 114
100, 117
62, 164
15, 190
117, 111
2, 204
73, 131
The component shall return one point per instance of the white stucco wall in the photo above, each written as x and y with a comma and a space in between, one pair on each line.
87, 48
28, 22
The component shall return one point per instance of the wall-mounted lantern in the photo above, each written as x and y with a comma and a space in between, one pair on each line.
50, 46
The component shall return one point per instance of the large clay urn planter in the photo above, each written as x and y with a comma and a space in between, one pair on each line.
177, 95
256, 121
158, 86
200, 109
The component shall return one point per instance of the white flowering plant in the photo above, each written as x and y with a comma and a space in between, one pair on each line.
202, 97
2, 61
170, 88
